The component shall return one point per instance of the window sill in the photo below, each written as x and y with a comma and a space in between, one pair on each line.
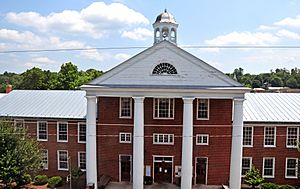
60, 169
42, 140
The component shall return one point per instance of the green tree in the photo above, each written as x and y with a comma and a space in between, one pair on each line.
33, 79
276, 81
19, 154
68, 77
291, 82
253, 177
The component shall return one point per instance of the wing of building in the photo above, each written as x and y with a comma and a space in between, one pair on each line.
164, 115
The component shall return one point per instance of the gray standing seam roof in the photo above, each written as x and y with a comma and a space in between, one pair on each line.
272, 107
44, 104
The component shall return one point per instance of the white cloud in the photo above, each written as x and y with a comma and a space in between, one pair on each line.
93, 54
122, 57
288, 34
244, 38
42, 62
291, 22
264, 27
138, 34
96, 20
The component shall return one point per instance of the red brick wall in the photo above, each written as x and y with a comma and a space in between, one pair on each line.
72, 146
280, 152
218, 127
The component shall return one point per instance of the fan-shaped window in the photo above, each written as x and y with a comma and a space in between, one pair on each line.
164, 69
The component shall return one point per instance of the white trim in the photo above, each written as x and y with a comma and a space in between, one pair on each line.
270, 146
195, 177
58, 161
120, 175
19, 120
78, 132
252, 133
38, 131
166, 118
292, 146
296, 169
242, 164
208, 108
125, 133
79, 160
57, 131
154, 156
46, 150
120, 108
273, 168
202, 135
163, 143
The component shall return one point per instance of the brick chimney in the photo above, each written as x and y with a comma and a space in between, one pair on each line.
8, 88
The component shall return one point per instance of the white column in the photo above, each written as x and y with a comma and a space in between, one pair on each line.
138, 143
237, 145
187, 144
91, 146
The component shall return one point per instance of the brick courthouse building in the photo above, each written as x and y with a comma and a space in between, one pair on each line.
163, 113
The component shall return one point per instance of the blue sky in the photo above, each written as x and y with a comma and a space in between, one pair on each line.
52, 24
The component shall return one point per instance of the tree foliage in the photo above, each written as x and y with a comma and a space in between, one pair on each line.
68, 78
277, 78
19, 154
253, 177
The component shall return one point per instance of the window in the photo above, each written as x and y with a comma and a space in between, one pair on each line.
247, 136
42, 131
125, 107
62, 132
82, 160
202, 139
19, 123
177, 171
270, 137
164, 108
164, 69
246, 165
163, 139
203, 109
62, 156
125, 137
269, 167
81, 132
45, 159
292, 137
291, 170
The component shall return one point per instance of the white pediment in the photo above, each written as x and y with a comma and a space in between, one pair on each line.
191, 71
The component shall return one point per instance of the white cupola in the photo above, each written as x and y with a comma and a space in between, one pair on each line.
165, 28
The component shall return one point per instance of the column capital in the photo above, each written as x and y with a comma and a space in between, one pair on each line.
239, 99
90, 97
188, 100
138, 99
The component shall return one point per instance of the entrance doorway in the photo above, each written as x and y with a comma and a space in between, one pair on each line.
125, 168
201, 170
163, 169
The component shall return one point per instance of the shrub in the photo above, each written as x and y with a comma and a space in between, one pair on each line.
287, 187
253, 177
40, 180
54, 181
26, 179
269, 186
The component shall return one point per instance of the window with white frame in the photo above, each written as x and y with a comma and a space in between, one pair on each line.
163, 138
292, 137
45, 159
291, 168
62, 156
247, 136
81, 132
125, 137
270, 137
125, 107
42, 131
268, 167
202, 109
62, 132
19, 123
202, 139
82, 160
164, 108
246, 165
